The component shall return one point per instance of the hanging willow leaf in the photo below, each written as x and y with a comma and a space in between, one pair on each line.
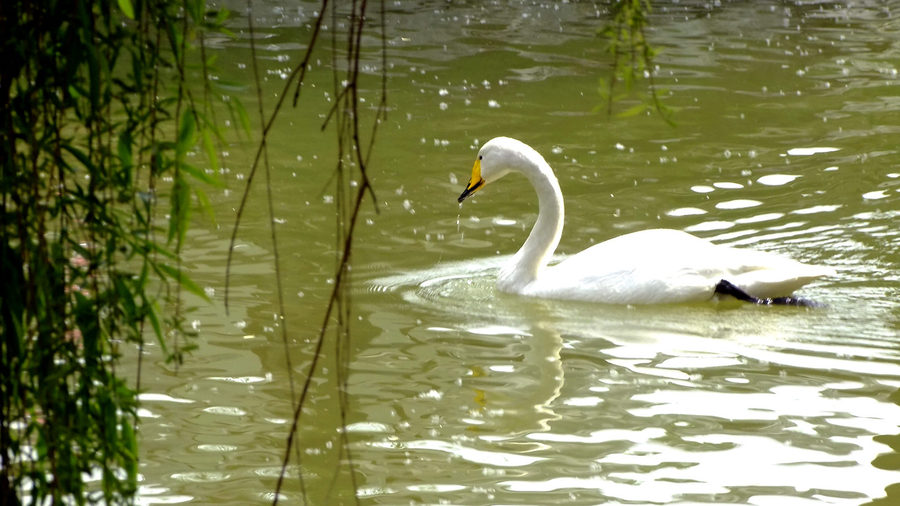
99, 115
200, 175
186, 282
633, 111
210, 149
186, 133
127, 8
180, 204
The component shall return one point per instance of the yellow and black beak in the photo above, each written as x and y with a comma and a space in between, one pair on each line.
475, 182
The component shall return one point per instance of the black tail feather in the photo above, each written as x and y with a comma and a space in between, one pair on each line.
725, 287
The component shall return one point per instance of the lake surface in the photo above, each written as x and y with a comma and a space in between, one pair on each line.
786, 140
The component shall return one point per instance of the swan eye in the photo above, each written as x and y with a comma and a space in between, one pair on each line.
480, 157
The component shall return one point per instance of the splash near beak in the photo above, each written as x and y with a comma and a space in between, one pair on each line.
475, 182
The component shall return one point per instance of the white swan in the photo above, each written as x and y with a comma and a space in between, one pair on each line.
646, 267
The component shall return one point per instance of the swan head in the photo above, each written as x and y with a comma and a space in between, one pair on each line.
497, 158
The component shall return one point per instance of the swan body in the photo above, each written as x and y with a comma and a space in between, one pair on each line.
646, 267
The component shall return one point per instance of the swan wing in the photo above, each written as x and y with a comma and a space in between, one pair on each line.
765, 274
661, 265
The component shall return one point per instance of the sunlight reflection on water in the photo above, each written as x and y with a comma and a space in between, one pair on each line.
785, 141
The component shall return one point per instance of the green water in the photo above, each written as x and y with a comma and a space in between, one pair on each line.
461, 395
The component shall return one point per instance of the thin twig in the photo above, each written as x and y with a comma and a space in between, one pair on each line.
320, 340
305, 63
298, 70
346, 113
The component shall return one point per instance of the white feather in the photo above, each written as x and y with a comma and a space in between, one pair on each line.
646, 267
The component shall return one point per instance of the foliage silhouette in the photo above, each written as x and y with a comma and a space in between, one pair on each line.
96, 190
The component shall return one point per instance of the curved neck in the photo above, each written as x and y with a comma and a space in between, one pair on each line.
544, 237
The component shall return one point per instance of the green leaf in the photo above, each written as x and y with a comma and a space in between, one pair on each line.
125, 297
157, 248
127, 8
80, 156
205, 205
124, 147
242, 114
210, 149
603, 89
180, 202
229, 86
200, 175
154, 322
186, 133
129, 450
195, 8
183, 279
632, 111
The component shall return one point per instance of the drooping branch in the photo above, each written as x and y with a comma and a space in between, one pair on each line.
345, 116
632, 57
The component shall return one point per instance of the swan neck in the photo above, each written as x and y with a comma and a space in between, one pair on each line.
537, 250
